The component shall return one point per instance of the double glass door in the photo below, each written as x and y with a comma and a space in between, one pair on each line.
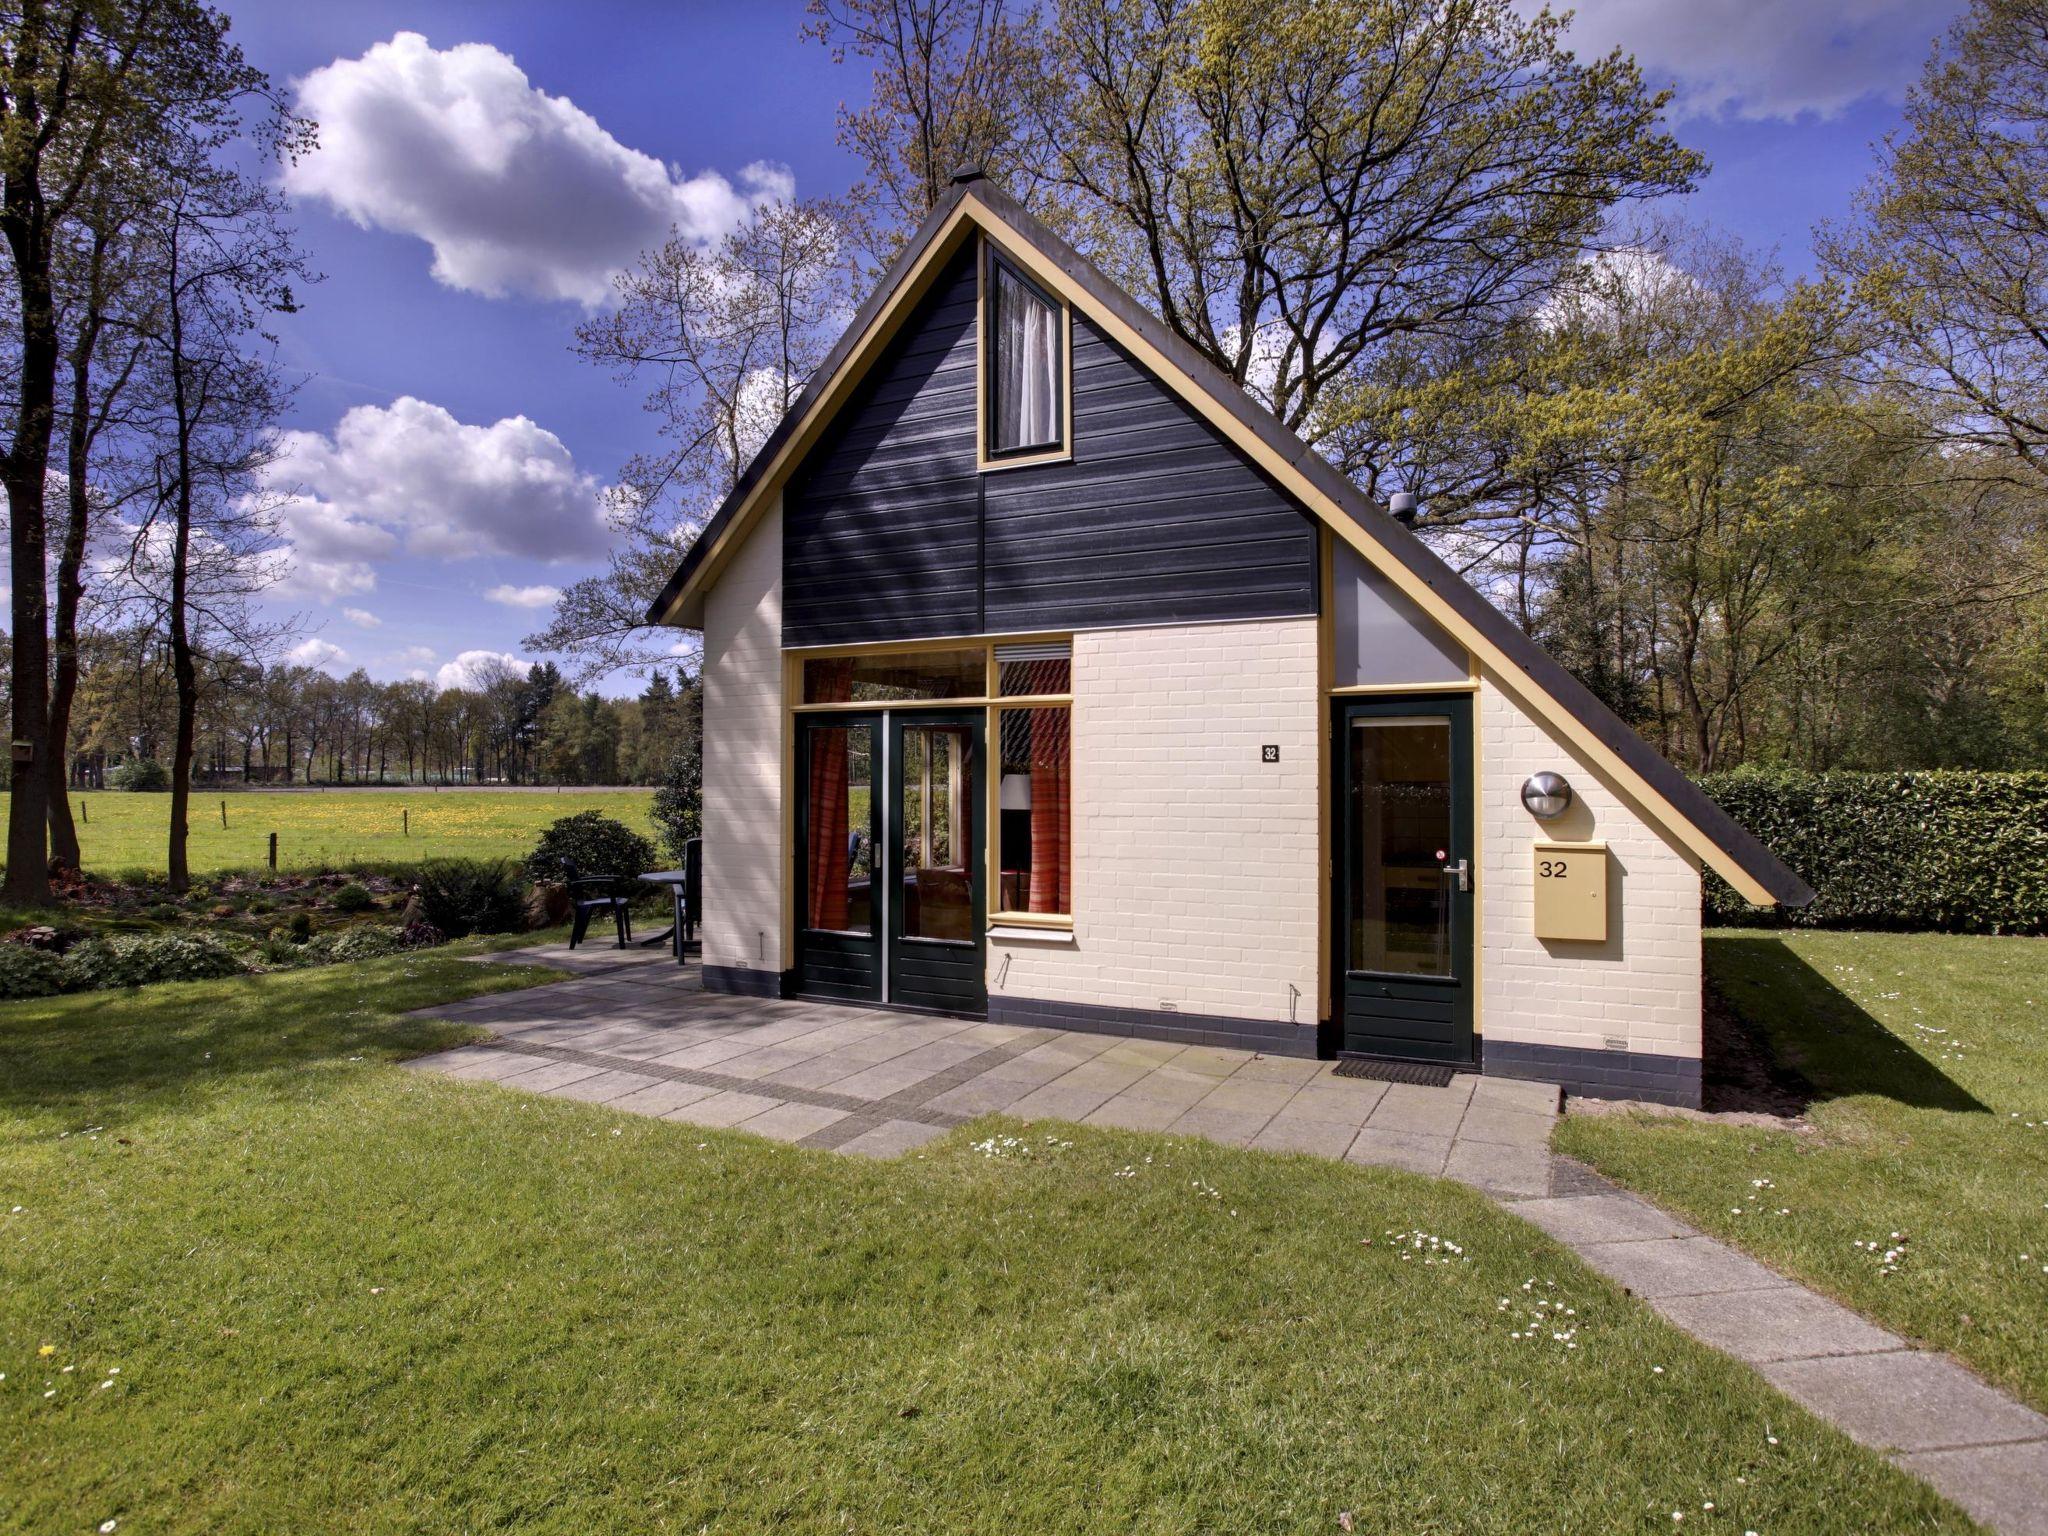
891, 869
1403, 898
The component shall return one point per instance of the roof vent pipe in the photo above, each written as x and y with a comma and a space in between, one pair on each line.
967, 175
1402, 505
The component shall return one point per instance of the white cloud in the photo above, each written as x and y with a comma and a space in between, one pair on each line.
362, 618
538, 596
409, 477
517, 191
1764, 58
477, 669
413, 655
324, 654
1612, 286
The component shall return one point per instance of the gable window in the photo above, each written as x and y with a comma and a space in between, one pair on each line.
1026, 377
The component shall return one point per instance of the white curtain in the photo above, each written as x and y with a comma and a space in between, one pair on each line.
1027, 354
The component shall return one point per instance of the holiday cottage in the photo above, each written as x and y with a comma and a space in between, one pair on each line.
1048, 678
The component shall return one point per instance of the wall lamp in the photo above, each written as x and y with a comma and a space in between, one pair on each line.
1546, 795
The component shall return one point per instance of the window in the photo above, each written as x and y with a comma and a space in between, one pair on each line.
1026, 374
916, 677
1034, 833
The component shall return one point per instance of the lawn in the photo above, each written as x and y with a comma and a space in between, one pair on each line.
1928, 1139
285, 1284
330, 829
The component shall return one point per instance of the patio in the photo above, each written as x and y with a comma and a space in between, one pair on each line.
637, 1033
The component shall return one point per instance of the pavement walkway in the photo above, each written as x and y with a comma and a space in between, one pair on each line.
633, 1031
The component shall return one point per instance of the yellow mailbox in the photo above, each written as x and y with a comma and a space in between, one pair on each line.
1571, 891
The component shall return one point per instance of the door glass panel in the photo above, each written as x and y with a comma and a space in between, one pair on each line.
937, 831
838, 893
1399, 896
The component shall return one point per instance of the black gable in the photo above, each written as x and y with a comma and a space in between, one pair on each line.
891, 533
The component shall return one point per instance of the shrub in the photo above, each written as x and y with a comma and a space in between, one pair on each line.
595, 844
102, 963
679, 800
143, 774
420, 934
1950, 851
26, 971
465, 896
352, 944
353, 898
301, 927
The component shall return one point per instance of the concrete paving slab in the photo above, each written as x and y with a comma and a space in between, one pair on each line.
1143, 1053
1499, 1168
2002, 1486
1292, 1070
1412, 1150
500, 1066
1061, 1101
726, 1107
1315, 1138
765, 1062
706, 1054
1677, 1266
878, 1082
1231, 1127
1516, 1093
818, 1072
984, 1095
1424, 1111
1340, 1100
791, 1122
892, 1138
556, 1074
1905, 1401
604, 1087
1251, 1098
662, 1097
449, 1063
1790, 1323
1509, 1127
1133, 1114
1169, 1085
1581, 1219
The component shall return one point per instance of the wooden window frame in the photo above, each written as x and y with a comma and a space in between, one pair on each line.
991, 702
987, 459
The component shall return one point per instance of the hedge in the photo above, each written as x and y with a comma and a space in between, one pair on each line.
1947, 851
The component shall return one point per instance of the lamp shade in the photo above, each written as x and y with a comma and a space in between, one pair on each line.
1546, 795
1016, 794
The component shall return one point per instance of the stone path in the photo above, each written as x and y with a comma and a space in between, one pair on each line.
635, 1032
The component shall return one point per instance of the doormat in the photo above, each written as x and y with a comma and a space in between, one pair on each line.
1426, 1074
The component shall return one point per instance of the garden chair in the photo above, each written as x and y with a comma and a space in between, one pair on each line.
591, 894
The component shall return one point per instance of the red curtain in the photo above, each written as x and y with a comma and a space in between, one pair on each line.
826, 853
1051, 880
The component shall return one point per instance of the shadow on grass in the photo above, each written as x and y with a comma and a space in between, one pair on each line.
96, 1050
1781, 1036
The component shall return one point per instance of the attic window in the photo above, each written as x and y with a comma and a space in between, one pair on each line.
1026, 382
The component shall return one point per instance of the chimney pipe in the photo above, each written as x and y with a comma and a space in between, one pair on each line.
1402, 505
967, 175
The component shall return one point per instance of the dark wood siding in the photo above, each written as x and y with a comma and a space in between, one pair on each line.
890, 533
1157, 519
881, 525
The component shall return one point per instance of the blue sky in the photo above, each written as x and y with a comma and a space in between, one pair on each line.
482, 166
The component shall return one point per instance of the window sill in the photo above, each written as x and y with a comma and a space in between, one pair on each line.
1012, 933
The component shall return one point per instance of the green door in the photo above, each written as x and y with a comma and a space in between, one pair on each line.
936, 845
1404, 874
838, 829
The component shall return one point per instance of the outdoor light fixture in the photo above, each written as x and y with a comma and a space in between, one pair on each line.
1546, 795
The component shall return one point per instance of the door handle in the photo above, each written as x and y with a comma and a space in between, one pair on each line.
1461, 872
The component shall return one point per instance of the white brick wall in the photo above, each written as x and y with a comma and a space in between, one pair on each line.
743, 755
1194, 861
1639, 990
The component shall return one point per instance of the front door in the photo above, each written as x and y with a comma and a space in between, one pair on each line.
938, 846
891, 901
1403, 899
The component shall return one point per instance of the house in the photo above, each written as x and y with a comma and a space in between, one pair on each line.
1047, 678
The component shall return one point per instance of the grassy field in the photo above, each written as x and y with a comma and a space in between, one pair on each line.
1929, 1136
254, 1277
327, 829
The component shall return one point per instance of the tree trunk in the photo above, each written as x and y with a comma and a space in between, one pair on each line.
182, 668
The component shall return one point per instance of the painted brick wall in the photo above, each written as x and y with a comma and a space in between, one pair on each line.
743, 755
1638, 991
1194, 861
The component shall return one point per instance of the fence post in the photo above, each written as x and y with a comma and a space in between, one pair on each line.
82, 814
223, 815
273, 853
405, 819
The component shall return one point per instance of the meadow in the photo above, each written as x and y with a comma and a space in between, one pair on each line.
122, 833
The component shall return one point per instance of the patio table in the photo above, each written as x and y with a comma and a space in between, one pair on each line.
673, 934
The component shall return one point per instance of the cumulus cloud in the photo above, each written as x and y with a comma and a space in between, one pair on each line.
1763, 58
517, 191
477, 669
414, 655
324, 654
362, 618
539, 596
409, 477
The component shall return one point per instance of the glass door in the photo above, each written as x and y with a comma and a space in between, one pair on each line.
839, 917
937, 899
1403, 902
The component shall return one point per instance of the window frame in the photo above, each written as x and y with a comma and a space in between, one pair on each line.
992, 702
989, 458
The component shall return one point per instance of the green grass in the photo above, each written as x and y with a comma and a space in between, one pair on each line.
349, 1298
1930, 1055
332, 829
